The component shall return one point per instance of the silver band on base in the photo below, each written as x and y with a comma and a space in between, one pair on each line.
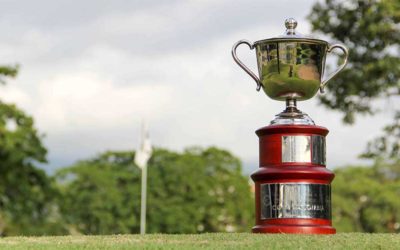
295, 200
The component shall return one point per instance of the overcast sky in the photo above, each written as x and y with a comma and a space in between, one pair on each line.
91, 70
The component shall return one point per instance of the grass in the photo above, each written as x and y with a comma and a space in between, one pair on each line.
207, 241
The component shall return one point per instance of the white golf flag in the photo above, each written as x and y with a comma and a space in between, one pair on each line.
143, 154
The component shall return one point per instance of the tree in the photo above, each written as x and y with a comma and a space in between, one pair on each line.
366, 199
26, 193
371, 30
199, 190
100, 195
387, 146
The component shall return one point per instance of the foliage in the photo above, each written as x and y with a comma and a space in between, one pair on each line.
98, 195
386, 146
26, 193
371, 30
366, 199
8, 71
199, 190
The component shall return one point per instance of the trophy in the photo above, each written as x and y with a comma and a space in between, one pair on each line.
292, 184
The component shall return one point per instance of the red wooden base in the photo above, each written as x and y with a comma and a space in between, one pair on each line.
273, 170
294, 229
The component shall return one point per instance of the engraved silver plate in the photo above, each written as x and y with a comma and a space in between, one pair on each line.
304, 148
295, 200
296, 148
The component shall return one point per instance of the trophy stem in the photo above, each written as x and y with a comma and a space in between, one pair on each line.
291, 106
291, 115
291, 110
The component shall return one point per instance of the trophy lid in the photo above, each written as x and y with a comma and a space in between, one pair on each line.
292, 35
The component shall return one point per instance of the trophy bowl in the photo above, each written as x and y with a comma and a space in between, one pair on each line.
290, 66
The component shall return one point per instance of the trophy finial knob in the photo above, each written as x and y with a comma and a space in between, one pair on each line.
290, 24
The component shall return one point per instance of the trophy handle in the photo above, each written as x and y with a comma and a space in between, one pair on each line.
346, 56
244, 67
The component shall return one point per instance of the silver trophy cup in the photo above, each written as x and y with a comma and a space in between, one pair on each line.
291, 67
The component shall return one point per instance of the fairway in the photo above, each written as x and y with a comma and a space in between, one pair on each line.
207, 241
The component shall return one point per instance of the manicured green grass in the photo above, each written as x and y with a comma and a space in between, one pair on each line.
207, 241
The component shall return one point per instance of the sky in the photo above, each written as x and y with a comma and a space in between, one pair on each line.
91, 71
